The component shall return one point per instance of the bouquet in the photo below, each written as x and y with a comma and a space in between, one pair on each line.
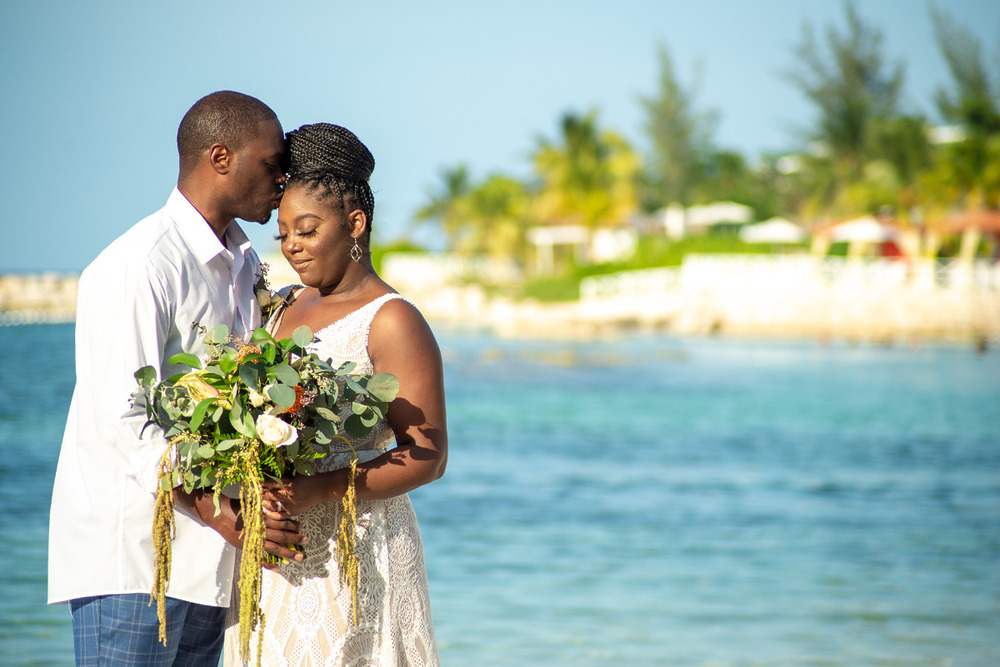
253, 409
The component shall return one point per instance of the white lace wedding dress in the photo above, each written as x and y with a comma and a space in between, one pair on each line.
306, 608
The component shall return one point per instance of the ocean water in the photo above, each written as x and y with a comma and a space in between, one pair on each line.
648, 501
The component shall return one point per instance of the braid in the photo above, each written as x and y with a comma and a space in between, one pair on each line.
331, 158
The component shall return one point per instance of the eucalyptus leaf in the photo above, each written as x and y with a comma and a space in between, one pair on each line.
369, 419
199, 413
146, 376
353, 385
217, 334
326, 432
327, 414
269, 352
262, 334
226, 445
185, 358
355, 427
358, 408
227, 362
302, 336
384, 386
207, 478
285, 373
238, 418
206, 452
248, 425
250, 374
282, 395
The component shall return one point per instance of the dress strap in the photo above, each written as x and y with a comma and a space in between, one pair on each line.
371, 310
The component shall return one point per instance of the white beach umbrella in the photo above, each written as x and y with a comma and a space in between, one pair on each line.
866, 229
773, 230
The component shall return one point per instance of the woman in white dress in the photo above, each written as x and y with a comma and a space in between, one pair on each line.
324, 225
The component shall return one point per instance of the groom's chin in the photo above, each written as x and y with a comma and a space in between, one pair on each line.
260, 219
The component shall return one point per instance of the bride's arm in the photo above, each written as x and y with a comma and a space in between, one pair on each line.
400, 342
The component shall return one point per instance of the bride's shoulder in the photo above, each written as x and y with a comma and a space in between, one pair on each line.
396, 316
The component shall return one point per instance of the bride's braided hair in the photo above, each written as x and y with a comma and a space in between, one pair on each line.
331, 158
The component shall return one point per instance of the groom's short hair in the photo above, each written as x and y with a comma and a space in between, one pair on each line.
224, 117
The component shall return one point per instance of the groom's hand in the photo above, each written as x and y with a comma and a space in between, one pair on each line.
280, 532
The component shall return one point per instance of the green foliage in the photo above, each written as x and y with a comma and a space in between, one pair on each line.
400, 246
652, 252
680, 137
863, 151
586, 176
212, 412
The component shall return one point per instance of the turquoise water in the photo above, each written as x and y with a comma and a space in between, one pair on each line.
648, 501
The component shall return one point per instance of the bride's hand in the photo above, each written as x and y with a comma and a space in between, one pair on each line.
289, 497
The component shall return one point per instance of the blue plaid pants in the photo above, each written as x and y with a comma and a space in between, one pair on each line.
120, 630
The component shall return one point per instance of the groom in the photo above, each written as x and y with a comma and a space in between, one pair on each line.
188, 262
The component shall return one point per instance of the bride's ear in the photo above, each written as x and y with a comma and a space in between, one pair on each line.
358, 223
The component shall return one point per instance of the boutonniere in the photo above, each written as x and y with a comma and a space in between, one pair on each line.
268, 300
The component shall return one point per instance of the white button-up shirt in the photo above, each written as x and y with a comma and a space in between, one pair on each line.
137, 303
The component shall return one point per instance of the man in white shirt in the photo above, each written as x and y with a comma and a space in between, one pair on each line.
188, 262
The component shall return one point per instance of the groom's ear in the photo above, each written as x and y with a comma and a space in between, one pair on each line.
358, 222
220, 158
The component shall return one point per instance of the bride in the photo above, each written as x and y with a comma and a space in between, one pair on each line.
324, 224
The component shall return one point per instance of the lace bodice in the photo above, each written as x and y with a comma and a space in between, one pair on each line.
347, 340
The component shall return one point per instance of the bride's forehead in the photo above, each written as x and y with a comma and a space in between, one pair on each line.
315, 200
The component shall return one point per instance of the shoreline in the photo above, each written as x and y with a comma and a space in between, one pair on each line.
882, 315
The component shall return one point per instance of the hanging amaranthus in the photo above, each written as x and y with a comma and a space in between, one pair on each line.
347, 557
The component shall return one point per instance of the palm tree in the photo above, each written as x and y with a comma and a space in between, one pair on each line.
587, 177
448, 204
498, 214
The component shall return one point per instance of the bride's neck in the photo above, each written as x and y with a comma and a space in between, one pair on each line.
355, 281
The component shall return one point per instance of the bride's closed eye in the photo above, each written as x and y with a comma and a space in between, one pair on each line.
282, 237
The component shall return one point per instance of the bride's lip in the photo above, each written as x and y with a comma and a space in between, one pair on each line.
299, 264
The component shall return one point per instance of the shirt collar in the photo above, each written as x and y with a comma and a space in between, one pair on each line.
199, 235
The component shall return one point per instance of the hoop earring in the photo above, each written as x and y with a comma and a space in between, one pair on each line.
356, 252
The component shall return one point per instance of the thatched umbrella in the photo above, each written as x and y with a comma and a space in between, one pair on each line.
971, 224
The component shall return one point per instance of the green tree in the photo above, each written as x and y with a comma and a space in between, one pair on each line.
967, 171
856, 96
448, 204
499, 218
588, 176
680, 139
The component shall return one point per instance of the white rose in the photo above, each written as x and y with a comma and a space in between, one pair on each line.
275, 432
256, 398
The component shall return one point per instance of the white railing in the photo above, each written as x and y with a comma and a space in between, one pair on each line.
788, 272
630, 282
419, 270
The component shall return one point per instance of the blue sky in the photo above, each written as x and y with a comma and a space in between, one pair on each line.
93, 91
